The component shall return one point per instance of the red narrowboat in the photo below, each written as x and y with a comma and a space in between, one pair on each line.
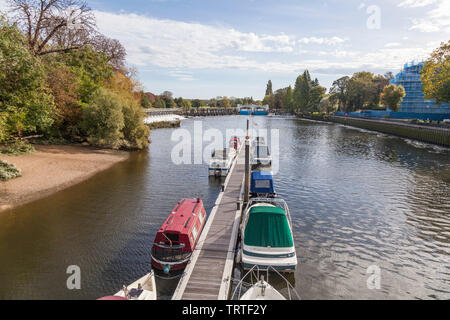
176, 239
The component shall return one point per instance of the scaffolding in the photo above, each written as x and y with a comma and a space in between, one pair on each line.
414, 101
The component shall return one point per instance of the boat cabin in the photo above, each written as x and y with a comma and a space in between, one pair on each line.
178, 236
262, 184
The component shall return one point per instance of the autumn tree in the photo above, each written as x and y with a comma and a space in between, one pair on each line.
392, 95
54, 25
436, 74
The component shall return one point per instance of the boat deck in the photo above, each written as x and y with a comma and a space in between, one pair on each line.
208, 275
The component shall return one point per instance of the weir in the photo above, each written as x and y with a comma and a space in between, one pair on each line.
209, 273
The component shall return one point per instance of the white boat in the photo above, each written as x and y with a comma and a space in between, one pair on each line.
221, 162
259, 141
261, 289
266, 236
142, 289
261, 156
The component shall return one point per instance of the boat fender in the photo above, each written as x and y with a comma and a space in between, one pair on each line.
166, 269
238, 256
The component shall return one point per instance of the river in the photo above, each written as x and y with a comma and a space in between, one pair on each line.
357, 199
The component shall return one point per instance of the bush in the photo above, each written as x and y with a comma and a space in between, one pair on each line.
8, 171
16, 148
135, 132
103, 120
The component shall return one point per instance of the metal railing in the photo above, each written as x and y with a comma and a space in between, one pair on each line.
255, 276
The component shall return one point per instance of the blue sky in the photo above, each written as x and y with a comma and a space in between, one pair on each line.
209, 48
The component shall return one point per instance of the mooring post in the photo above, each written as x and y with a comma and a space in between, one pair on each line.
247, 166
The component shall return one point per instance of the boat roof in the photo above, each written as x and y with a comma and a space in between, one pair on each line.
180, 218
262, 175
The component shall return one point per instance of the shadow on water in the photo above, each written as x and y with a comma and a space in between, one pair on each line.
357, 199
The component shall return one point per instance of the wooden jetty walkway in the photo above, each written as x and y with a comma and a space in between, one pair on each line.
208, 275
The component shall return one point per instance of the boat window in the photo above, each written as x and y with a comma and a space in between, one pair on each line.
194, 232
262, 184
200, 217
172, 236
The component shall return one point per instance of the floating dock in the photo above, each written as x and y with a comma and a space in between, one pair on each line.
209, 273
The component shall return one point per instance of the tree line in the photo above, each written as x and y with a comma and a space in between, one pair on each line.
64, 81
363, 90
166, 100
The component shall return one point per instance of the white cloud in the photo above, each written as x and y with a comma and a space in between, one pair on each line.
187, 46
392, 44
416, 3
327, 41
436, 20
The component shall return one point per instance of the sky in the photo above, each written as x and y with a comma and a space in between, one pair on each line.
208, 48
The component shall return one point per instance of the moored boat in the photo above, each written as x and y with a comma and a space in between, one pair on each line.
142, 289
261, 156
261, 289
221, 162
261, 185
266, 236
235, 143
178, 236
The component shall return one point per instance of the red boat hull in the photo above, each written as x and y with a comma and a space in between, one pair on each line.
178, 236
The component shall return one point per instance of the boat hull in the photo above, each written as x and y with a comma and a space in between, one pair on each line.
218, 172
282, 263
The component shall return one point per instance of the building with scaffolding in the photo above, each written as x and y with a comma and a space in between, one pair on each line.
414, 101
414, 104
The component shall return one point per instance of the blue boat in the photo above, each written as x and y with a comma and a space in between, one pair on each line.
261, 111
262, 184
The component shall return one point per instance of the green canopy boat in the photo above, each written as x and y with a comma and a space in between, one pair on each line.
267, 239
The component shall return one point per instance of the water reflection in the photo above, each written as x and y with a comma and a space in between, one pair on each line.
357, 199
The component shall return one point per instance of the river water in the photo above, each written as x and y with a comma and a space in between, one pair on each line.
359, 200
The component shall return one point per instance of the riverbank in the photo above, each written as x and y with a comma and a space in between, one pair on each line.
53, 168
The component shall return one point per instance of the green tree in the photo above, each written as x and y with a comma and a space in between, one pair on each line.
339, 91
160, 103
103, 120
145, 101
26, 103
392, 95
269, 89
269, 100
328, 105
436, 74
316, 95
302, 92
135, 132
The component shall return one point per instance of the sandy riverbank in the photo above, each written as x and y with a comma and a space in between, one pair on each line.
53, 168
